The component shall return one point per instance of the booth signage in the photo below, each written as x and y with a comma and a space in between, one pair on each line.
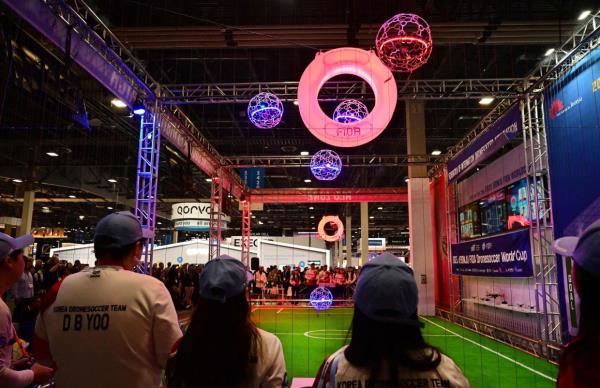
486, 144
254, 178
506, 255
190, 211
196, 225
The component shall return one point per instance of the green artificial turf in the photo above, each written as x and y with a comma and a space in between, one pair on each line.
307, 339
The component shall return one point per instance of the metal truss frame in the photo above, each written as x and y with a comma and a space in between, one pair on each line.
147, 179
287, 161
214, 232
443, 89
246, 228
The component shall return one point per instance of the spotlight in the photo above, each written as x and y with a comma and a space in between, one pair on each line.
52, 154
549, 52
584, 14
208, 179
304, 153
109, 207
436, 152
72, 196
311, 208
81, 217
17, 181
406, 180
296, 102
486, 100
118, 103
111, 180
138, 108
380, 208
307, 181
371, 217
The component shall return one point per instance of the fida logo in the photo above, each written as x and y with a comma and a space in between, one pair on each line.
555, 108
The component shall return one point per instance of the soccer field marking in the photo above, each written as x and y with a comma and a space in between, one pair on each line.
278, 311
492, 351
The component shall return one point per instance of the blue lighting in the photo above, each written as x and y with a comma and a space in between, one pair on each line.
321, 298
138, 108
265, 110
326, 165
350, 111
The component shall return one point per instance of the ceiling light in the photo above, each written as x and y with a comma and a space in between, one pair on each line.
260, 222
312, 216
486, 100
253, 216
584, 14
138, 108
109, 207
406, 180
296, 102
45, 208
72, 196
307, 181
118, 103
549, 52
436, 152
159, 223
380, 208
311, 208
52, 153
111, 180
304, 153
208, 179
17, 181
371, 217
81, 217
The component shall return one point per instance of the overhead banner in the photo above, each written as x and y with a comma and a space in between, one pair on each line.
486, 144
506, 255
572, 117
254, 178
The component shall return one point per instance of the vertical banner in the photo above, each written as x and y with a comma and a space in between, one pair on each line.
439, 231
254, 177
572, 117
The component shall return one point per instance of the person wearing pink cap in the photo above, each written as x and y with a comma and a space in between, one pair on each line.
579, 361
12, 265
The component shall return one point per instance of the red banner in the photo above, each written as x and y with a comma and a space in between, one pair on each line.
328, 195
440, 249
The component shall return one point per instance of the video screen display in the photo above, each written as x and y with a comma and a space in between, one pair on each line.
470, 222
493, 213
517, 205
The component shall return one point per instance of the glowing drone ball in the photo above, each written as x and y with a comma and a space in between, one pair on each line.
265, 110
326, 165
404, 42
350, 111
321, 298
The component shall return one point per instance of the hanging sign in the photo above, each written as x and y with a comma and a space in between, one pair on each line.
351, 61
254, 177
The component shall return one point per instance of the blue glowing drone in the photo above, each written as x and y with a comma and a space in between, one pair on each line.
321, 298
350, 111
326, 165
265, 110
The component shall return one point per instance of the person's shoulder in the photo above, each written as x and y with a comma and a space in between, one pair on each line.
267, 337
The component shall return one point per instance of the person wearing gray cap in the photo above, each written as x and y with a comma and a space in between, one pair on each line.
387, 348
108, 326
11, 267
579, 361
222, 348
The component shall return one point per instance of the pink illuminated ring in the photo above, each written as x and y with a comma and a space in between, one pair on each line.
354, 61
338, 233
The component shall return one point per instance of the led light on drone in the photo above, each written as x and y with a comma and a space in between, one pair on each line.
404, 42
350, 111
326, 165
265, 110
321, 298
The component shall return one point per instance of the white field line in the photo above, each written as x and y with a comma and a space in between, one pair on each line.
278, 311
492, 351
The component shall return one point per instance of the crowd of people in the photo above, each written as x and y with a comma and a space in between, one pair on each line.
107, 326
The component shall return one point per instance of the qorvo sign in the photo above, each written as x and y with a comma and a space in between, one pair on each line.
193, 211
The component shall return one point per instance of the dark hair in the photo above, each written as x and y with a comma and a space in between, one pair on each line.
589, 307
374, 344
104, 248
217, 348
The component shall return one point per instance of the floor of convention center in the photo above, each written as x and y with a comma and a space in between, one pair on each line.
308, 337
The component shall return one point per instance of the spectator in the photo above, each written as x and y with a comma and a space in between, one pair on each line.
260, 278
11, 269
324, 277
108, 326
579, 361
340, 282
311, 276
295, 281
38, 278
222, 347
51, 272
22, 290
387, 347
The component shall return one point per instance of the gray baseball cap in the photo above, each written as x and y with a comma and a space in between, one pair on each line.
387, 292
222, 278
585, 249
9, 244
120, 229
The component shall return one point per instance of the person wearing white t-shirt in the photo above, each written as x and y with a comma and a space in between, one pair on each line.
222, 347
108, 326
11, 268
387, 348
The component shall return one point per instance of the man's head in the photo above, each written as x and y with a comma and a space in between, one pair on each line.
12, 259
119, 238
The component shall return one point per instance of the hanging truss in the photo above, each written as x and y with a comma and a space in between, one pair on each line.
285, 161
246, 226
444, 89
214, 232
147, 179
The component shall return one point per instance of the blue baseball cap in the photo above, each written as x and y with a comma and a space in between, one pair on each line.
585, 249
9, 244
120, 229
387, 292
222, 278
